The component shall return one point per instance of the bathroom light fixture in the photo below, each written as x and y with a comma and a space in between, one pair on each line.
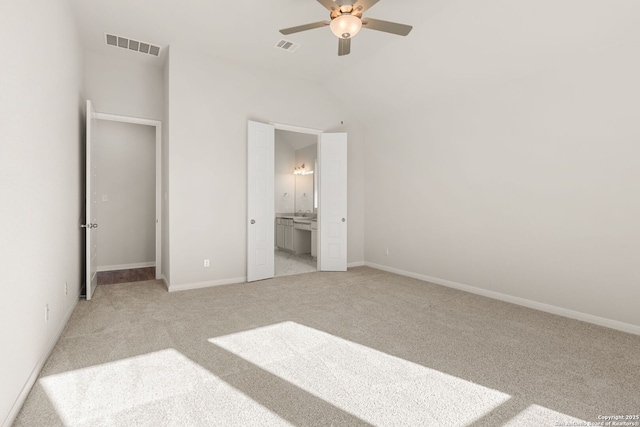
301, 170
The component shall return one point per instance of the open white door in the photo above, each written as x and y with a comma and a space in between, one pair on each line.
91, 223
332, 192
260, 203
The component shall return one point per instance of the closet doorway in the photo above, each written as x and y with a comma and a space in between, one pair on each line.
124, 200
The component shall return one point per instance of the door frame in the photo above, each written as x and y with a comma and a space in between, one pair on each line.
158, 128
299, 129
91, 253
310, 131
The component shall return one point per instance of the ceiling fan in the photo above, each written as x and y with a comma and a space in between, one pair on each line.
347, 20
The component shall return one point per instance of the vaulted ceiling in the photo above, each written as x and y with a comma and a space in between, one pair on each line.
455, 44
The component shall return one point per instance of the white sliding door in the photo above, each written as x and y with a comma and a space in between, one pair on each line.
332, 192
260, 203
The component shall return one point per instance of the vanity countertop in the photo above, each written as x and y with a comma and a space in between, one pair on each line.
297, 217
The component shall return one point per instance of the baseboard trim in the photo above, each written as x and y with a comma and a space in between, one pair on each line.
355, 264
164, 281
13, 413
208, 284
126, 266
572, 314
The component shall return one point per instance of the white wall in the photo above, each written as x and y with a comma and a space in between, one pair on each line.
126, 166
284, 184
41, 127
356, 145
526, 186
210, 103
126, 88
135, 89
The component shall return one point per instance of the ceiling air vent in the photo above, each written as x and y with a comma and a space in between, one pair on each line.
287, 45
134, 45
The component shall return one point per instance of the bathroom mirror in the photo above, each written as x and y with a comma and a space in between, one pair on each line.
305, 178
304, 194
295, 193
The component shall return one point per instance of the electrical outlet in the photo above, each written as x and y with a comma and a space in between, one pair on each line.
207, 263
386, 251
46, 313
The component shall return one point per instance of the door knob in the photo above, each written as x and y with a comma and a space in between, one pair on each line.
344, 220
253, 221
89, 226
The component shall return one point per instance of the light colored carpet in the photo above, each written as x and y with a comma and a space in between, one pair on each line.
364, 347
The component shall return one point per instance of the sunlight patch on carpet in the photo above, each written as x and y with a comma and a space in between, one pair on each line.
536, 415
159, 388
374, 386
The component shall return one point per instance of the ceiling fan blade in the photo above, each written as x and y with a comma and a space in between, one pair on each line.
344, 47
387, 27
329, 5
362, 5
306, 27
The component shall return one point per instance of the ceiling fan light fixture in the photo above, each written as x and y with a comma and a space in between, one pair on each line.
346, 22
345, 26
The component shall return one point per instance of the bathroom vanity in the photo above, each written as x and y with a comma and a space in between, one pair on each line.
293, 233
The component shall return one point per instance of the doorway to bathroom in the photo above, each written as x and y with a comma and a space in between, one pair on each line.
331, 189
296, 203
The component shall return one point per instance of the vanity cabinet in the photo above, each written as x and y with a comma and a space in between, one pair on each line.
284, 234
295, 236
280, 235
289, 243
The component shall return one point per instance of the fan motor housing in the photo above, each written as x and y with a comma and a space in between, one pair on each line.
346, 9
